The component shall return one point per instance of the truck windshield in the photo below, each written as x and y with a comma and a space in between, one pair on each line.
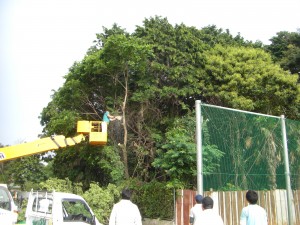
5, 199
76, 210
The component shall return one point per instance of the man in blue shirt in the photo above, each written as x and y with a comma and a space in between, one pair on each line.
107, 117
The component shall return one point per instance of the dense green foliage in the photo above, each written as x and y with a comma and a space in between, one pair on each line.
245, 78
26, 172
178, 152
152, 78
155, 200
101, 200
285, 49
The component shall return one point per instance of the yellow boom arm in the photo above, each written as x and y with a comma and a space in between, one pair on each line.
38, 146
96, 130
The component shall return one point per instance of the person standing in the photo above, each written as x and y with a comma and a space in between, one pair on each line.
125, 212
196, 209
107, 117
208, 216
105, 121
253, 214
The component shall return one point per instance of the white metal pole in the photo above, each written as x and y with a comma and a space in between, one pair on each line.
199, 147
287, 172
238, 110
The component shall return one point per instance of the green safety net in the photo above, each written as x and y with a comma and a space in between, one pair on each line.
248, 150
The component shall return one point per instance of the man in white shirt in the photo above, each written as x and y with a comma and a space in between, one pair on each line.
208, 216
253, 214
125, 212
196, 209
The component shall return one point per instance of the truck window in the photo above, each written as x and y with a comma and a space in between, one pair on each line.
5, 201
42, 205
8, 209
76, 210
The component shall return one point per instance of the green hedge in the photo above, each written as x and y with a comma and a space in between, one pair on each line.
154, 199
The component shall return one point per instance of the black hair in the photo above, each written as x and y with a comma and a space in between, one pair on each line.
207, 203
252, 197
126, 194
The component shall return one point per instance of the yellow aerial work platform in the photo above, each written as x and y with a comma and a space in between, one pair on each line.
95, 130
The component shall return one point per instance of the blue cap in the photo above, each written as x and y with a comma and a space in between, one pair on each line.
198, 198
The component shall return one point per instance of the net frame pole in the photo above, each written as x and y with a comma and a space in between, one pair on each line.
289, 195
199, 147
238, 110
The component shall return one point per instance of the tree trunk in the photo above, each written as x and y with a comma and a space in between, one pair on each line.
124, 147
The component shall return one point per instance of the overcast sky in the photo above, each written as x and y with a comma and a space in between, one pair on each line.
40, 40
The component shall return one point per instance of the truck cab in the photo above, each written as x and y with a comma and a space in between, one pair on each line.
8, 208
58, 208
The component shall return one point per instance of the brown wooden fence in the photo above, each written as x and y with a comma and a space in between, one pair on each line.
229, 206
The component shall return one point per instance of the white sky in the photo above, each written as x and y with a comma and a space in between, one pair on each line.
40, 40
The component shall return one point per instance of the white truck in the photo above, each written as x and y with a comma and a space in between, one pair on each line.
52, 208
58, 208
8, 208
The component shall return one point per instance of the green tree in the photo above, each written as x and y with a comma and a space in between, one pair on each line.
285, 49
177, 71
22, 171
212, 35
82, 97
176, 68
61, 185
291, 59
178, 152
150, 78
124, 62
101, 200
89, 163
246, 78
